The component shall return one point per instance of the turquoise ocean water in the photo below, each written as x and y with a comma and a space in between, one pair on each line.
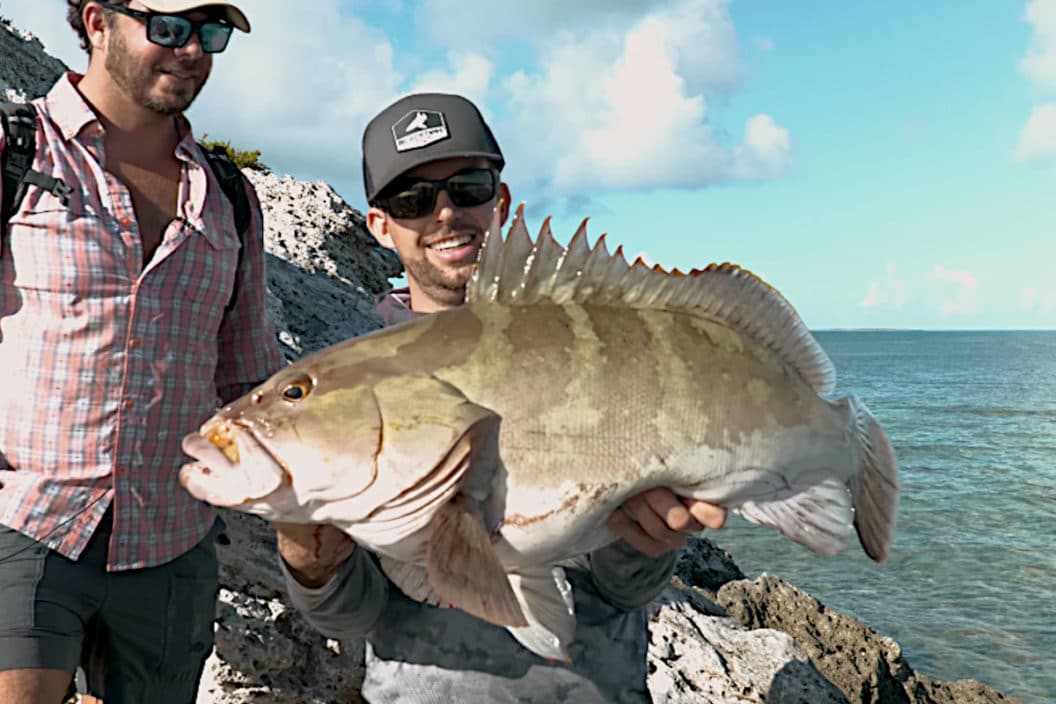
970, 591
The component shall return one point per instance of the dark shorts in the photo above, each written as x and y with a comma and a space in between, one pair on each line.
141, 635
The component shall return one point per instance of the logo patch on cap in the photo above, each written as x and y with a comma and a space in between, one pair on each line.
419, 128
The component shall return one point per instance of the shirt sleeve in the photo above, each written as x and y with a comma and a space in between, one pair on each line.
629, 579
248, 349
347, 606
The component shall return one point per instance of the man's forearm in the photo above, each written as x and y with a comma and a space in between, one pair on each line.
347, 606
627, 578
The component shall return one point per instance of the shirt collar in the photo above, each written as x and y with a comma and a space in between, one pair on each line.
67, 108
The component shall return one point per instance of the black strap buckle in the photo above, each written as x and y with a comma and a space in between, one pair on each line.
55, 186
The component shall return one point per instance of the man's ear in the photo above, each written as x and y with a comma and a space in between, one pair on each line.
96, 25
378, 224
504, 194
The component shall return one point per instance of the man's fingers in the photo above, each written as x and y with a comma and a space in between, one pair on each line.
631, 533
670, 508
652, 522
710, 515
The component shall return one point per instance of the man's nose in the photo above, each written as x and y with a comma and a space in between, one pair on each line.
193, 48
445, 209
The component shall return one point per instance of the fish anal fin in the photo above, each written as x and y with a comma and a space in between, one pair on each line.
820, 518
546, 598
464, 569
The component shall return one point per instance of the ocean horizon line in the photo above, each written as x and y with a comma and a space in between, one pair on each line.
972, 330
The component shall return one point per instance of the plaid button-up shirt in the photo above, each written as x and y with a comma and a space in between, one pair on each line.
107, 363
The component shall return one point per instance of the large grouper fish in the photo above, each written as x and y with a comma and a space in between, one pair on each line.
479, 449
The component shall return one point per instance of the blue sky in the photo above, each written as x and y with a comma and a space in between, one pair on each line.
881, 164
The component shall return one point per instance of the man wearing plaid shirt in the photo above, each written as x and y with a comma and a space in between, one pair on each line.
116, 339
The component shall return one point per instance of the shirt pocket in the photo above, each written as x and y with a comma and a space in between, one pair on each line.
65, 252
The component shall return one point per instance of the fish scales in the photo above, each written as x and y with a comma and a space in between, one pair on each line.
477, 449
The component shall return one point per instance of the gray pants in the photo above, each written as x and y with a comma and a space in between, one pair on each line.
141, 635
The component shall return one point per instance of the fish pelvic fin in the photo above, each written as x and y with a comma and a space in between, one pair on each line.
464, 569
875, 488
516, 270
545, 596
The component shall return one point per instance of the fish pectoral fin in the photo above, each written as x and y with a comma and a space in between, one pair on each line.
464, 569
546, 597
820, 518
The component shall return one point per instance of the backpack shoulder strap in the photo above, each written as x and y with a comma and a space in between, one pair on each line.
19, 123
233, 184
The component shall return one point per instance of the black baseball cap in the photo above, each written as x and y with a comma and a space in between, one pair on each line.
420, 128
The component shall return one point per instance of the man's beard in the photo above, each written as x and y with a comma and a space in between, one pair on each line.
137, 79
443, 287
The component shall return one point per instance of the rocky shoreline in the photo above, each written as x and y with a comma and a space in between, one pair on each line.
715, 636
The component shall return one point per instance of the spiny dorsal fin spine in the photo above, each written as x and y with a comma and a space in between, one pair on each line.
517, 271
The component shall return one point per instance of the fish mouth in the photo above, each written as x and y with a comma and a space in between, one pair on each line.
222, 435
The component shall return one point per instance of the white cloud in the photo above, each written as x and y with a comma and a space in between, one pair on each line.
301, 87
890, 293
764, 44
1040, 62
628, 109
1037, 140
470, 75
965, 297
614, 93
1035, 300
446, 22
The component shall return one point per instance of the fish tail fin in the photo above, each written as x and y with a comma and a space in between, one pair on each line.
875, 488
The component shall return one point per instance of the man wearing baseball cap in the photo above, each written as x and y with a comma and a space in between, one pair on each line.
130, 306
431, 170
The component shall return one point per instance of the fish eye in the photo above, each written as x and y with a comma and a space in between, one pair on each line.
298, 389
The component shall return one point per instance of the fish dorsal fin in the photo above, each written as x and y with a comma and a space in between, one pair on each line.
518, 271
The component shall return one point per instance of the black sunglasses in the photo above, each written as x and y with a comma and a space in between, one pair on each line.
174, 31
415, 197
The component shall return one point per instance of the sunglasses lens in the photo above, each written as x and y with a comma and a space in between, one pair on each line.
215, 36
466, 189
412, 202
169, 30
471, 188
